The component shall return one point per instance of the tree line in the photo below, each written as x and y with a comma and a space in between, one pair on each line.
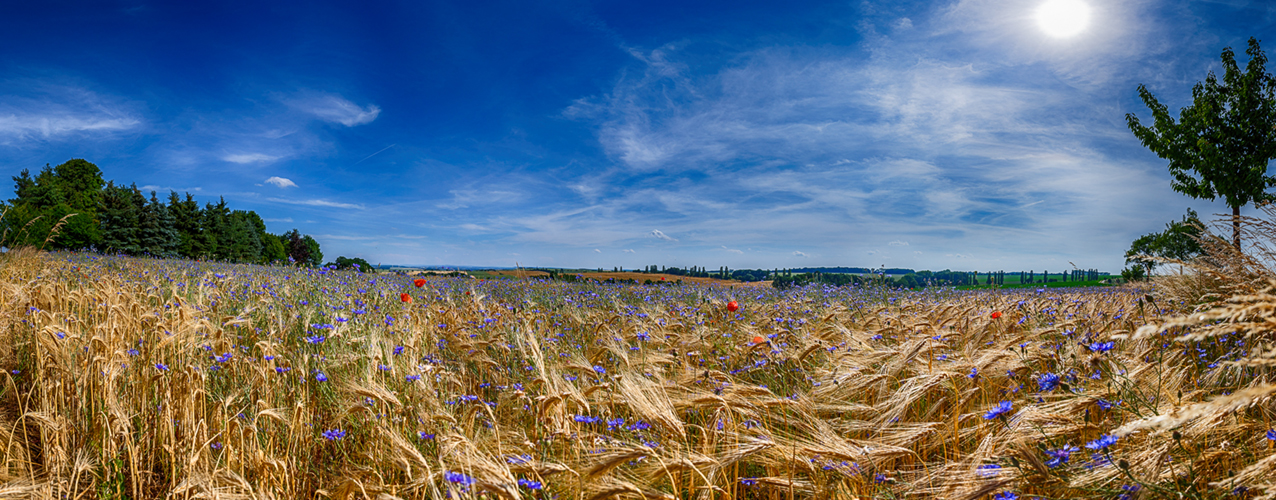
71, 207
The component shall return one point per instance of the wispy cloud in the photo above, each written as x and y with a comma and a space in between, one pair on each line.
164, 189
285, 219
318, 203
280, 182
243, 158
898, 243
732, 250
799, 254
46, 111
334, 108
656, 233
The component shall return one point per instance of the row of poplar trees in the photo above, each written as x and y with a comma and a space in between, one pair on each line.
71, 207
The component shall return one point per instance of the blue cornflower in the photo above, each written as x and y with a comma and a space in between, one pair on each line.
383, 368
999, 410
586, 419
1107, 405
614, 423
518, 459
974, 372
988, 470
334, 434
133, 352
321, 377
458, 478
1271, 435
1005, 495
1047, 382
398, 350
1060, 456
161, 367
315, 339
600, 369
1100, 346
412, 378
639, 426
529, 484
224, 357
422, 435
216, 445
748, 481
1103, 442
282, 369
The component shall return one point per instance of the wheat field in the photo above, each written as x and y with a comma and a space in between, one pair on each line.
142, 378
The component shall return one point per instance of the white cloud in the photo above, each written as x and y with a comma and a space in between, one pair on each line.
629, 250
597, 251
799, 254
281, 182
161, 189
244, 158
50, 111
336, 109
656, 233
732, 250
898, 243
317, 203
285, 219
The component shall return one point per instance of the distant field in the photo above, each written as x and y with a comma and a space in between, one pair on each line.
1056, 284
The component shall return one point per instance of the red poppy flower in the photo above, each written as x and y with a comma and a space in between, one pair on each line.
405, 297
996, 314
419, 282
662, 278
467, 292
733, 306
757, 339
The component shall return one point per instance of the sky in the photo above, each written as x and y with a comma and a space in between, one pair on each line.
960, 135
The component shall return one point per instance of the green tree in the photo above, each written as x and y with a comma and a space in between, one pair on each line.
157, 233
186, 220
272, 249
215, 230
66, 194
347, 263
119, 220
1222, 143
1180, 241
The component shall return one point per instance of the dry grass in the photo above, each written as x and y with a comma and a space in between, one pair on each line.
146, 379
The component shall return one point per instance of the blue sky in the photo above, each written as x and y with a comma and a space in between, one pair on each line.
929, 135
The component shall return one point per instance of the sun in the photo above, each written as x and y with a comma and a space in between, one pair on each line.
1063, 18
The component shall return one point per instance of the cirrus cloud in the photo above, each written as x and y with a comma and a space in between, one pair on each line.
281, 182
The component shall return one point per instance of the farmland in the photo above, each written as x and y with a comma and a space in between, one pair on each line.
142, 378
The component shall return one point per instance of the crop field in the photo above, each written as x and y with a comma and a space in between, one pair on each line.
137, 378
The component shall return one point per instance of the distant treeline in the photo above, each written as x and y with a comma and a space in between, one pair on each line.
840, 276
81, 211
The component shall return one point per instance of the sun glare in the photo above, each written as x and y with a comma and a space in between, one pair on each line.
1063, 18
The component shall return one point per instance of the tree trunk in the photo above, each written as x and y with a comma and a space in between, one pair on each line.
1236, 227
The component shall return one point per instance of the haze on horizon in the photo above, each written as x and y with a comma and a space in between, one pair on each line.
936, 134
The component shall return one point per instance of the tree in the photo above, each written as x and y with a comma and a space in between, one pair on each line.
346, 263
272, 249
51, 197
119, 218
1223, 142
186, 218
156, 229
1180, 241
